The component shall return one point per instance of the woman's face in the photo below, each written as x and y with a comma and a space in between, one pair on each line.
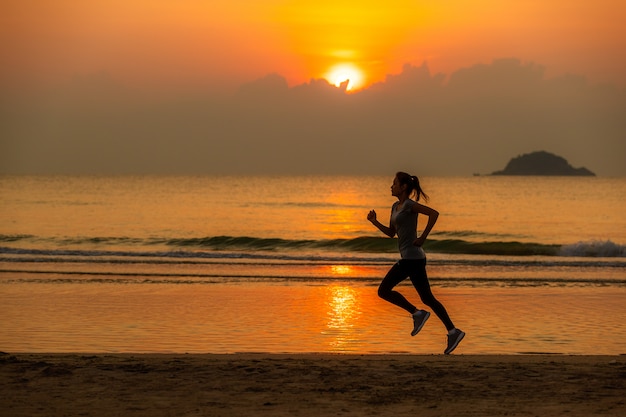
396, 188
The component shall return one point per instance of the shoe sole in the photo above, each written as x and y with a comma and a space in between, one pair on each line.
416, 331
456, 343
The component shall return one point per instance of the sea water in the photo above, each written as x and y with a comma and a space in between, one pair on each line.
290, 264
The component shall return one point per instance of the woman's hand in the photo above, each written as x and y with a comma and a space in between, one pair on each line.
419, 242
389, 231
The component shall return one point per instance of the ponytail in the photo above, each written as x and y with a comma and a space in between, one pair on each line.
413, 185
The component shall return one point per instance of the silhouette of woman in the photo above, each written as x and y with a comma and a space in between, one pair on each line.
412, 263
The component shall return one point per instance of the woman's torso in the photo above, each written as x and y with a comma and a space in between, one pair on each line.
405, 222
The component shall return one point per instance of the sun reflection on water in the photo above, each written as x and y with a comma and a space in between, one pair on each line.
341, 269
343, 314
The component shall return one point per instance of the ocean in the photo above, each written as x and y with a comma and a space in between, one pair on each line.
223, 264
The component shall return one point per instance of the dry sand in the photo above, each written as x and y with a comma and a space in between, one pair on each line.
311, 385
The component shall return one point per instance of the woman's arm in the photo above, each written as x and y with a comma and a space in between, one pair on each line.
432, 215
389, 231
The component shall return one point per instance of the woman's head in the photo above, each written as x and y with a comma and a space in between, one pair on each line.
412, 183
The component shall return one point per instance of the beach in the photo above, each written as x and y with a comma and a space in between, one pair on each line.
311, 385
161, 296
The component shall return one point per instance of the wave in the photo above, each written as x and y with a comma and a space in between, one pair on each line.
596, 248
91, 277
252, 246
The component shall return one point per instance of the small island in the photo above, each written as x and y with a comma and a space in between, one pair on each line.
542, 163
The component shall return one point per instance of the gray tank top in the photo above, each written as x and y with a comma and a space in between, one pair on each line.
405, 222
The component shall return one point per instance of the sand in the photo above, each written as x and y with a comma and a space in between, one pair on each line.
311, 385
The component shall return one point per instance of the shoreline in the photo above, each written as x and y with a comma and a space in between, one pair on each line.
311, 384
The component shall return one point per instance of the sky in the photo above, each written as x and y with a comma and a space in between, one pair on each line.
242, 86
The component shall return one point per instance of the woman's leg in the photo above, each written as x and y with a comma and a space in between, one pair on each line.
395, 275
420, 282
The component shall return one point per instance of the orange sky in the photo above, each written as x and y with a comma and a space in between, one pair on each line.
227, 42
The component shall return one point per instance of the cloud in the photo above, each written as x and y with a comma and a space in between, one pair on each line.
475, 120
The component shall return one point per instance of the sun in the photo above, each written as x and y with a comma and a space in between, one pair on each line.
345, 72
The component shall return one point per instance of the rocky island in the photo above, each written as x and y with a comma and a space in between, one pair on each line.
541, 163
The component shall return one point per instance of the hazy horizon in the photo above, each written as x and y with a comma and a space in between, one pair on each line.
471, 121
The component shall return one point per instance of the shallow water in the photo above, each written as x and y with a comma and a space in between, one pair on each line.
317, 317
289, 264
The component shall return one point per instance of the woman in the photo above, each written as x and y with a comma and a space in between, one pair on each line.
412, 264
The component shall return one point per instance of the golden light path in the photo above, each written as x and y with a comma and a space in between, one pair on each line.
343, 312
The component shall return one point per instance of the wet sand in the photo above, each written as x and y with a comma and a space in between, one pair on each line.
311, 385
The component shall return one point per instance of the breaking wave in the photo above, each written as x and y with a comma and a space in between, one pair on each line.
275, 245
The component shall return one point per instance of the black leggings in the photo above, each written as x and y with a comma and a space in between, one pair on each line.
416, 270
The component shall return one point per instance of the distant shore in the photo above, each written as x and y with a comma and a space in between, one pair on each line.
311, 385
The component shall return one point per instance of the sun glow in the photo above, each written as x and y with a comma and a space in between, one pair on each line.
342, 73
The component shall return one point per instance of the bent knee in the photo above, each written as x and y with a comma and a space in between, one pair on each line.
429, 301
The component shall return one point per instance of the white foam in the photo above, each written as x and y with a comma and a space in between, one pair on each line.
594, 248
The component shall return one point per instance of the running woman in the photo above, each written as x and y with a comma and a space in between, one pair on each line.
406, 188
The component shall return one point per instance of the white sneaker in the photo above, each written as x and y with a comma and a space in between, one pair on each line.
454, 339
419, 319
